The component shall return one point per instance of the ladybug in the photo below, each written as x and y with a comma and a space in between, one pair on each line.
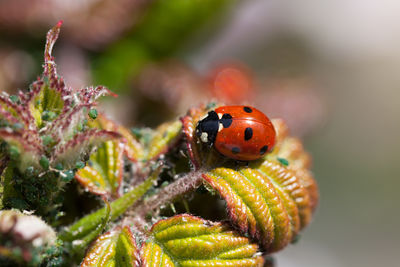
239, 132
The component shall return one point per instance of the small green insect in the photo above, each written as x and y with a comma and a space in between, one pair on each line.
47, 140
48, 115
93, 113
14, 152
44, 162
14, 98
79, 164
283, 161
68, 176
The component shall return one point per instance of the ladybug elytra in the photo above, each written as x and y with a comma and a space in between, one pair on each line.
238, 132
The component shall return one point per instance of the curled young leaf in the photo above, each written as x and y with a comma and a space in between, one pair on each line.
114, 248
255, 205
189, 125
133, 148
103, 173
291, 149
47, 120
46, 105
186, 240
163, 138
150, 145
271, 199
80, 145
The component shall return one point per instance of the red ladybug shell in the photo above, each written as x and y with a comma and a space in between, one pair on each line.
244, 133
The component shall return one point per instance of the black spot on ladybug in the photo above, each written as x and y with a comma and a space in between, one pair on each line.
247, 109
263, 150
212, 115
248, 133
226, 120
208, 125
235, 150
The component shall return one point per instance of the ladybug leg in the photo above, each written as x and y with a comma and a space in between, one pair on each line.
239, 163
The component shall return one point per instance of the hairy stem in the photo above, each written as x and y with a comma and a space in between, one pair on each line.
168, 194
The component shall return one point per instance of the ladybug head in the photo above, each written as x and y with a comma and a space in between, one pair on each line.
207, 128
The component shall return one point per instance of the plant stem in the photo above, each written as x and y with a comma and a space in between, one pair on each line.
168, 194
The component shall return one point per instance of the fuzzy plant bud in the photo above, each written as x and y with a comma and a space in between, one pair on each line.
24, 233
44, 126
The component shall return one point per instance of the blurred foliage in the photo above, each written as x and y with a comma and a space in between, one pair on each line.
163, 30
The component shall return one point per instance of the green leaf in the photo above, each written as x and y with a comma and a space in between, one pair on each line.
114, 248
162, 139
186, 240
268, 200
254, 205
103, 175
299, 161
293, 189
133, 149
46, 105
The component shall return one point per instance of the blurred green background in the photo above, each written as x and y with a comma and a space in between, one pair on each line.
330, 68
